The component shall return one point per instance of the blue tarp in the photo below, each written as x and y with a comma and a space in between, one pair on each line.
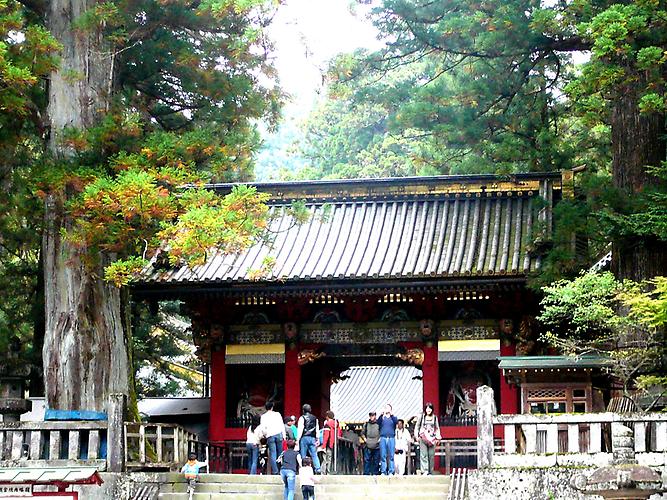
52, 414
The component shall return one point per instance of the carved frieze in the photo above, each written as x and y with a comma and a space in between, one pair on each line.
468, 330
256, 334
370, 333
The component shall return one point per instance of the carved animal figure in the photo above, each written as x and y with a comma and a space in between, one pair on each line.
412, 356
308, 356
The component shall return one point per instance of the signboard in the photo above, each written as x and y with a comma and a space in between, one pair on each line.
15, 490
22, 491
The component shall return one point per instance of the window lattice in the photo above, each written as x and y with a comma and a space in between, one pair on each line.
546, 393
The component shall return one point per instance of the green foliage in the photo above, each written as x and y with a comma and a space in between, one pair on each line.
470, 87
183, 103
345, 139
121, 272
585, 307
170, 67
27, 54
643, 215
624, 321
625, 39
24, 60
458, 88
231, 223
649, 307
177, 117
163, 357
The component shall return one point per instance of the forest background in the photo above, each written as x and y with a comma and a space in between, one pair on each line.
168, 92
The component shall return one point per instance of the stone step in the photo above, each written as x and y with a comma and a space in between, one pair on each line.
228, 486
242, 488
223, 488
327, 479
394, 495
351, 489
333, 487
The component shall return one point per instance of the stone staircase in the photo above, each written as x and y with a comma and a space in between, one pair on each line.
229, 486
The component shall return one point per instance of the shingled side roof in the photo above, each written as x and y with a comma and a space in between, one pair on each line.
386, 229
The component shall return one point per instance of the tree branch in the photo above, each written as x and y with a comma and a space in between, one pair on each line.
39, 7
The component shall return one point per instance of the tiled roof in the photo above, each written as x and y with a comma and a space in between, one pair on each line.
436, 229
535, 362
50, 475
370, 388
155, 407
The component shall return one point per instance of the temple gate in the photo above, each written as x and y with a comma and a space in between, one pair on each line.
427, 272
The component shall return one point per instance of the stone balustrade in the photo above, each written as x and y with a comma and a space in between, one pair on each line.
56, 443
580, 433
111, 445
582, 439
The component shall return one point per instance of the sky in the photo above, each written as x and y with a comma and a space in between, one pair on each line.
307, 34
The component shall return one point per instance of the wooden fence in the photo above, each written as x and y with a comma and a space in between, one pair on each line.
156, 446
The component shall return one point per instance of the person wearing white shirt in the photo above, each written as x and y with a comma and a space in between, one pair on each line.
403, 440
273, 428
252, 444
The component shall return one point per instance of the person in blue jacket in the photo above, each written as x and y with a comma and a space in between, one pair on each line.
191, 471
387, 423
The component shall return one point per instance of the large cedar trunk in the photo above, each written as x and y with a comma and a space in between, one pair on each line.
85, 354
638, 140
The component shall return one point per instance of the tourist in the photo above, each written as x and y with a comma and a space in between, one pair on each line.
290, 466
191, 471
273, 428
387, 423
427, 434
320, 447
308, 429
370, 435
252, 443
290, 427
307, 479
403, 442
332, 432
349, 449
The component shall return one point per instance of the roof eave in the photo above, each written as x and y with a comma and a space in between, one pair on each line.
349, 287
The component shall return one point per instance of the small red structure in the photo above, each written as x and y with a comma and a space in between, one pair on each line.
19, 483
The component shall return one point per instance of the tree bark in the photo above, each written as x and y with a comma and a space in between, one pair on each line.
638, 141
85, 354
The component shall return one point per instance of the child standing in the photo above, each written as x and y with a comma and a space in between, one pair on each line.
290, 461
307, 479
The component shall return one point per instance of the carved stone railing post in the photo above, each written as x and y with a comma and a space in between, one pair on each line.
486, 410
116, 410
622, 444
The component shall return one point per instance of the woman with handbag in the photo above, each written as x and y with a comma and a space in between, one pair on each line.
427, 434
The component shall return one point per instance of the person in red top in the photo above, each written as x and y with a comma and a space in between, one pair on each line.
332, 432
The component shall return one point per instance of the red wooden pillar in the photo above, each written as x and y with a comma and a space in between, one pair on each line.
292, 383
509, 394
218, 415
431, 378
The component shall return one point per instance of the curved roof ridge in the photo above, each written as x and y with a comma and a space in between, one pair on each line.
394, 187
